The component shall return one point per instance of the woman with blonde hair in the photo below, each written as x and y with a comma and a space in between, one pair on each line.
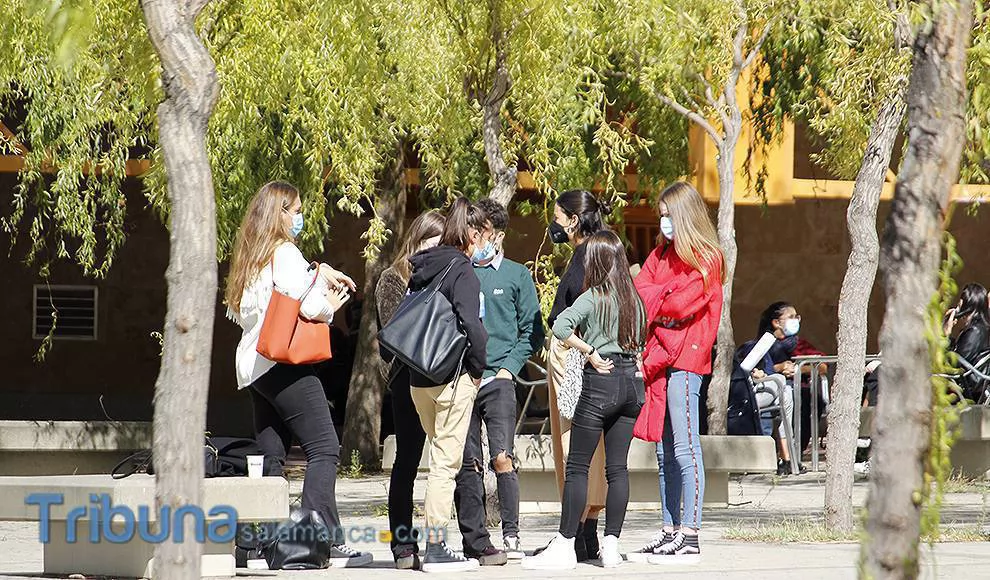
424, 233
681, 287
288, 400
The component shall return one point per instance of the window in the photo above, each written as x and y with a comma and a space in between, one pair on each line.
71, 310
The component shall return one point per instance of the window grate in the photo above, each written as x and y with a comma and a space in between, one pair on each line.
70, 310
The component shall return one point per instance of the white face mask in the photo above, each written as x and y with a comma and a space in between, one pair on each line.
667, 227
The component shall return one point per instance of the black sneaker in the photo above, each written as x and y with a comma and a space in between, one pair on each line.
490, 556
343, 556
643, 554
440, 558
682, 549
407, 559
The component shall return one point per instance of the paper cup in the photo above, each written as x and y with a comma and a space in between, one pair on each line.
255, 465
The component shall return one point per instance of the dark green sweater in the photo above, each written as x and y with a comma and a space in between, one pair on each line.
512, 315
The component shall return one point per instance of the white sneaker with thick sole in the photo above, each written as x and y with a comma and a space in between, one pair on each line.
609, 552
559, 555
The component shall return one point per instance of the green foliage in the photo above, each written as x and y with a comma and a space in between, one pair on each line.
831, 65
683, 52
947, 400
85, 80
976, 155
312, 93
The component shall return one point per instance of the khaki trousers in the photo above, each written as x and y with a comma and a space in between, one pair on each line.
445, 413
560, 432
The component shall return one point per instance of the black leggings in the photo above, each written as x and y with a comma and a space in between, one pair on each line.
409, 441
609, 403
289, 400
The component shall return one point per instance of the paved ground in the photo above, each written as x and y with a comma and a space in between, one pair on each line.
754, 499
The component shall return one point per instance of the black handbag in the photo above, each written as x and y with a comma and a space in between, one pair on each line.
301, 543
425, 334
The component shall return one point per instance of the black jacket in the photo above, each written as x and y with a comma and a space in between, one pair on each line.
971, 344
462, 288
571, 285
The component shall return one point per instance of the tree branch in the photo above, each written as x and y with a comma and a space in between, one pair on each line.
692, 116
738, 42
756, 47
195, 7
717, 104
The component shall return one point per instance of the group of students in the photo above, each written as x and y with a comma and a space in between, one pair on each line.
645, 344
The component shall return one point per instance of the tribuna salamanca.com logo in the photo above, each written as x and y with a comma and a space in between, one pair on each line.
118, 524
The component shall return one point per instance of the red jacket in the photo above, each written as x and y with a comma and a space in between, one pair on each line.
684, 316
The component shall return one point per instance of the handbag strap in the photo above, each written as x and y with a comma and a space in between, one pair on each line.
312, 284
435, 285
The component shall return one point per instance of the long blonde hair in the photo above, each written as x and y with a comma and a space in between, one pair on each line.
695, 238
427, 225
262, 230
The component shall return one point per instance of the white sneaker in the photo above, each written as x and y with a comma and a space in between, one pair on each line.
559, 555
609, 552
863, 442
862, 468
512, 549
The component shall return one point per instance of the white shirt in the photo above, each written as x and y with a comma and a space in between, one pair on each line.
292, 275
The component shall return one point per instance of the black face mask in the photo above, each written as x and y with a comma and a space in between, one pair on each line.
558, 234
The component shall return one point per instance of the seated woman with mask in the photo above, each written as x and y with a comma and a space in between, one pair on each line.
782, 320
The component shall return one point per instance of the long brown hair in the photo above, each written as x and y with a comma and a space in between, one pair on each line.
463, 216
606, 271
262, 231
695, 238
424, 227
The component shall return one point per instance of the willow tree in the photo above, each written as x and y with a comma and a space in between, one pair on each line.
290, 105
476, 87
842, 68
936, 130
691, 57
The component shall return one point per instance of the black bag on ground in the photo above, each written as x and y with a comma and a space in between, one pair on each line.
425, 334
300, 543
223, 457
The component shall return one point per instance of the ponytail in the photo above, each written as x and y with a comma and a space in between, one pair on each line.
590, 211
463, 216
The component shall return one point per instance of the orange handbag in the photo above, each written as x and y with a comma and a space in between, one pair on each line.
288, 338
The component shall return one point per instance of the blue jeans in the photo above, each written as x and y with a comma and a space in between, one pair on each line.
682, 470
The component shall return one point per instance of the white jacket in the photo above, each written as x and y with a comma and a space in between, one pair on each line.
292, 276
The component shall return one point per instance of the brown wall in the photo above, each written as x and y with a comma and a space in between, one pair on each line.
790, 252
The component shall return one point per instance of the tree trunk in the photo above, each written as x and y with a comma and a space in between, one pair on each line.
503, 174
936, 99
190, 82
718, 389
362, 421
854, 301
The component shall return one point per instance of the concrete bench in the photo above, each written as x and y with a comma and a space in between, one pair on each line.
68, 447
971, 451
538, 483
263, 499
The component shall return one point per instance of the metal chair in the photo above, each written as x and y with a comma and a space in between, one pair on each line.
526, 414
777, 412
978, 371
754, 357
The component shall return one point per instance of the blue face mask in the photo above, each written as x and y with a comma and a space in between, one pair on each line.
667, 227
484, 254
297, 225
792, 326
